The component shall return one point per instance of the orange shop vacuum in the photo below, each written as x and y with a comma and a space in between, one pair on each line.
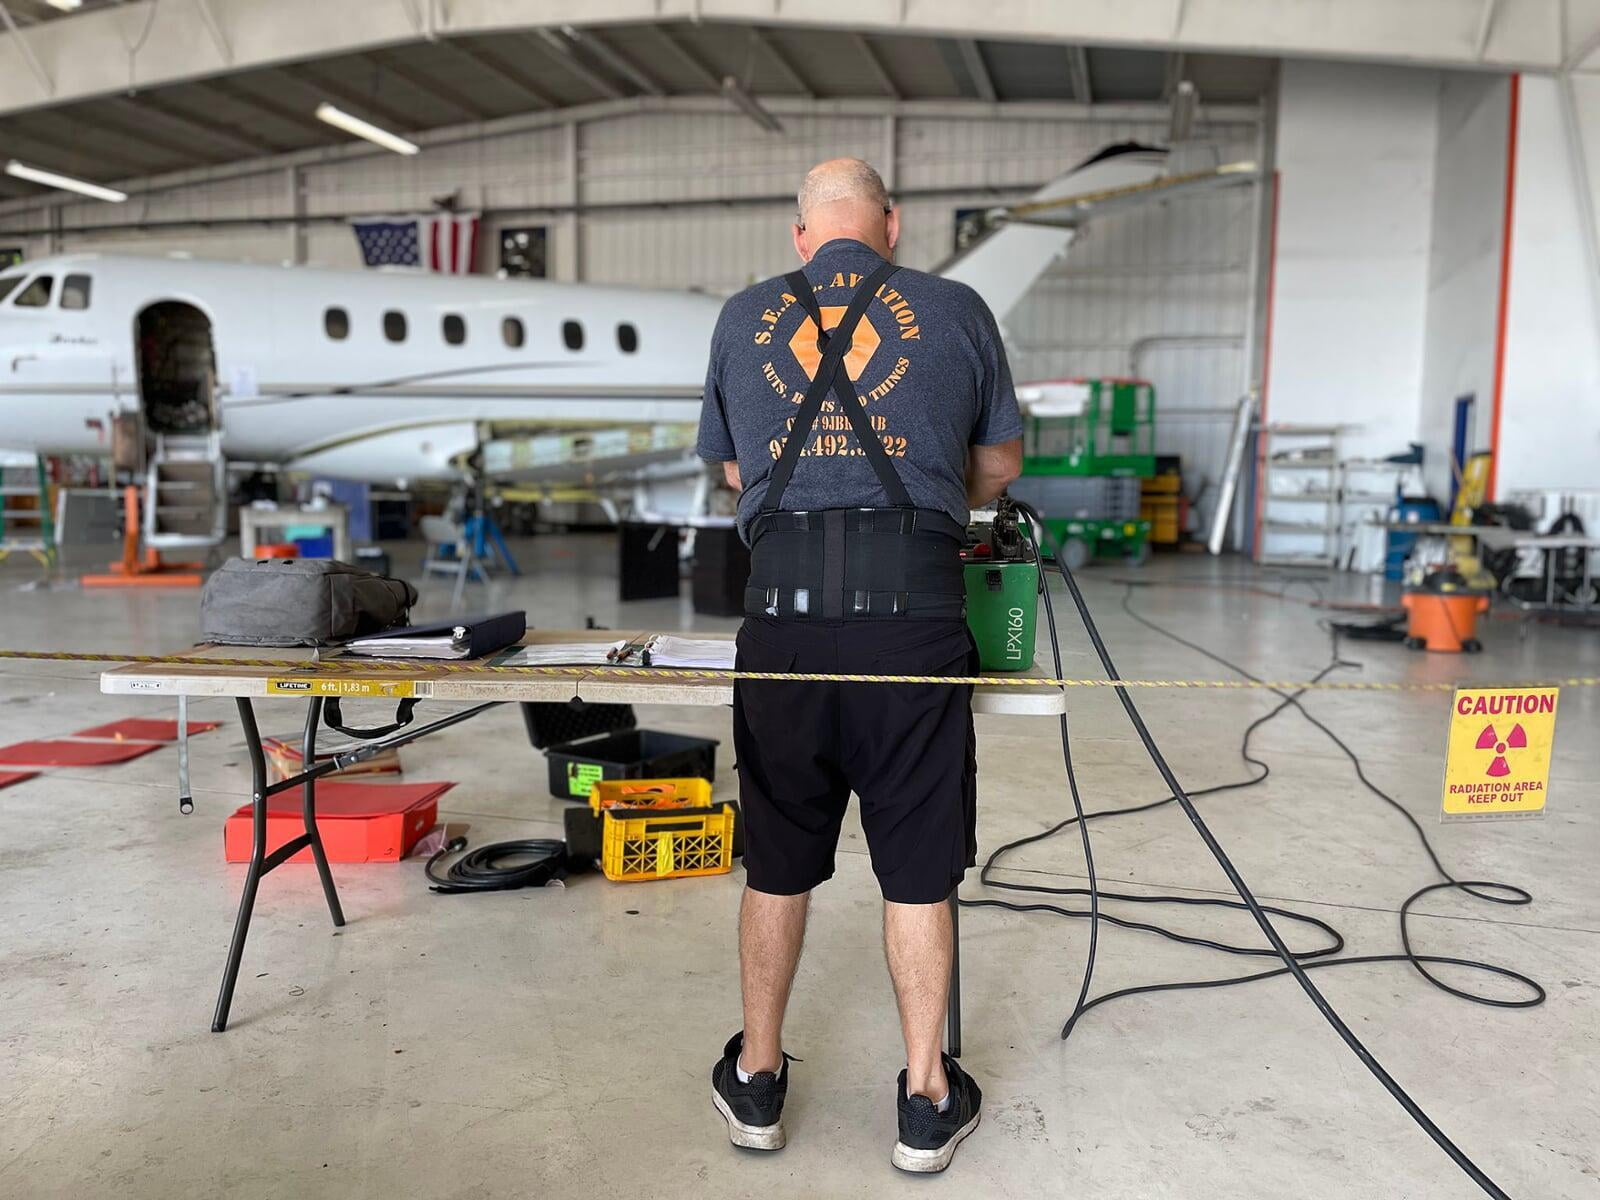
1442, 613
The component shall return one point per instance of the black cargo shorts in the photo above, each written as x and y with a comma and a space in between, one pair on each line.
908, 750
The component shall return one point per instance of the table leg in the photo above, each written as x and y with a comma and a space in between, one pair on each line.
260, 790
952, 1015
308, 757
258, 856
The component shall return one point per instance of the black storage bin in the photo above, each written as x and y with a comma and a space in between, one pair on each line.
648, 569
551, 723
721, 571
632, 754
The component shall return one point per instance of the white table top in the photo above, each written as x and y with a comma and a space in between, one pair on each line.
238, 674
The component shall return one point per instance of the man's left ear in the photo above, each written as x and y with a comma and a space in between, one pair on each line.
891, 226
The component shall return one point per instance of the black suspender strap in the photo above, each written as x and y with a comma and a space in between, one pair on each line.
831, 376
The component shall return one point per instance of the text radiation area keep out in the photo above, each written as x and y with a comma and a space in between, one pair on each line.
1497, 761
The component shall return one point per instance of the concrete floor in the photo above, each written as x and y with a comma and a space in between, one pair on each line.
559, 1041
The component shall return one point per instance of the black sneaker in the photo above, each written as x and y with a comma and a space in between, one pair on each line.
928, 1137
754, 1110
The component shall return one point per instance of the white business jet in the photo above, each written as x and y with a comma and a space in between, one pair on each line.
381, 375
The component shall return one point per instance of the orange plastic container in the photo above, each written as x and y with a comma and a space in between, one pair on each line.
1445, 621
649, 793
277, 550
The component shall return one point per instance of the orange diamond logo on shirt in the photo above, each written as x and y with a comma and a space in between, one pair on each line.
803, 345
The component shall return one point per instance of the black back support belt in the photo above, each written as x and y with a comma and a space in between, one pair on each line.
849, 562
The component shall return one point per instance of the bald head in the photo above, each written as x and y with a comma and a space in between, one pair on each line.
844, 197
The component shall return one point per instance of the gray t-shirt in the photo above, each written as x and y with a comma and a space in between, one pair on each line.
926, 359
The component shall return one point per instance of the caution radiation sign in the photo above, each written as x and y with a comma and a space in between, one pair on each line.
1498, 760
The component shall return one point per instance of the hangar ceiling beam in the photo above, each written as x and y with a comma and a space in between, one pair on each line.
876, 64
977, 69
88, 55
358, 103
614, 58
784, 65
19, 43
433, 88
1078, 71
681, 54
559, 48
299, 118
507, 73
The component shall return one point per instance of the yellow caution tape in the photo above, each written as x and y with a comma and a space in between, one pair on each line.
354, 668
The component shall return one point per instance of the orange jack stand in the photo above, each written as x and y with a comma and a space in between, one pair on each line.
146, 569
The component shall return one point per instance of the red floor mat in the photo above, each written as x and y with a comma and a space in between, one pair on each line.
145, 729
73, 754
15, 776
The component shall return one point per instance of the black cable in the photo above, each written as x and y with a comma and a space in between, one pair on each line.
1292, 966
1507, 893
1037, 526
500, 866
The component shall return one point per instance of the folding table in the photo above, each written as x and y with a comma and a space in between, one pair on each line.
249, 674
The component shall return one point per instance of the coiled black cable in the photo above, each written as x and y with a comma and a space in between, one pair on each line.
499, 866
1291, 961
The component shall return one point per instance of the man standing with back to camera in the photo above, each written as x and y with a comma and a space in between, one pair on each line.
860, 410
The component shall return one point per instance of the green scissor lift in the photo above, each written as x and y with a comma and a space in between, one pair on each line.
1086, 444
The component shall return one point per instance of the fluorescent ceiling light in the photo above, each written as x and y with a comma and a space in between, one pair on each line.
65, 5
744, 100
65, 182
365, 129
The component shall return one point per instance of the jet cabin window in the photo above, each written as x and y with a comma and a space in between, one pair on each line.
394, 326
75, 292
37, 293
455, 329
336, 322
572, 335
511, 329
627, 338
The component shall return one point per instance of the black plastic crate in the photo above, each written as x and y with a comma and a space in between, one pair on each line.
648, 568
721, 571
551, 723
631, 754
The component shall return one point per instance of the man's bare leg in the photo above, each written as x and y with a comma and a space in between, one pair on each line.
917, 941
772, 930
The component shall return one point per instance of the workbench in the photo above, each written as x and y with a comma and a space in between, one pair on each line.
1546, 545
248, 674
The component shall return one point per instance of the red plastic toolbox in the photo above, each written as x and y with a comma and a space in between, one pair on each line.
359, 822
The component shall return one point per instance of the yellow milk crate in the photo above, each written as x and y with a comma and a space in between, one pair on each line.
674, 843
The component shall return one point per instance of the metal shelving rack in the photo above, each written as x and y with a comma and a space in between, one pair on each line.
1300, 477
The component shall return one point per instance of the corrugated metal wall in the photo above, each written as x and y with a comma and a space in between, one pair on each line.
701, 200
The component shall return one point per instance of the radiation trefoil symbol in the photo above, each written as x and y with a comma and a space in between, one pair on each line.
1488, 740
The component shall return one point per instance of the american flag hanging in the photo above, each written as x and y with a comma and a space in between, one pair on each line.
443, 242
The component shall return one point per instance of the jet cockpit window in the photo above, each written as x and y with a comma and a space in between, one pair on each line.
394, 326
8, 284
627, 338
572, 335
37, 293
336, 323
455, 329
75, 292
513, 332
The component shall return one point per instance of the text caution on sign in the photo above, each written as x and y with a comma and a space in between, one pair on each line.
1498, 760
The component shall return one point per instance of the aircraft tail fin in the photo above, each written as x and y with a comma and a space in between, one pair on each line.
1002, 264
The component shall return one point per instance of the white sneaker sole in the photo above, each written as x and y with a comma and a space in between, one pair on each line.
751, 1137
928, 1162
